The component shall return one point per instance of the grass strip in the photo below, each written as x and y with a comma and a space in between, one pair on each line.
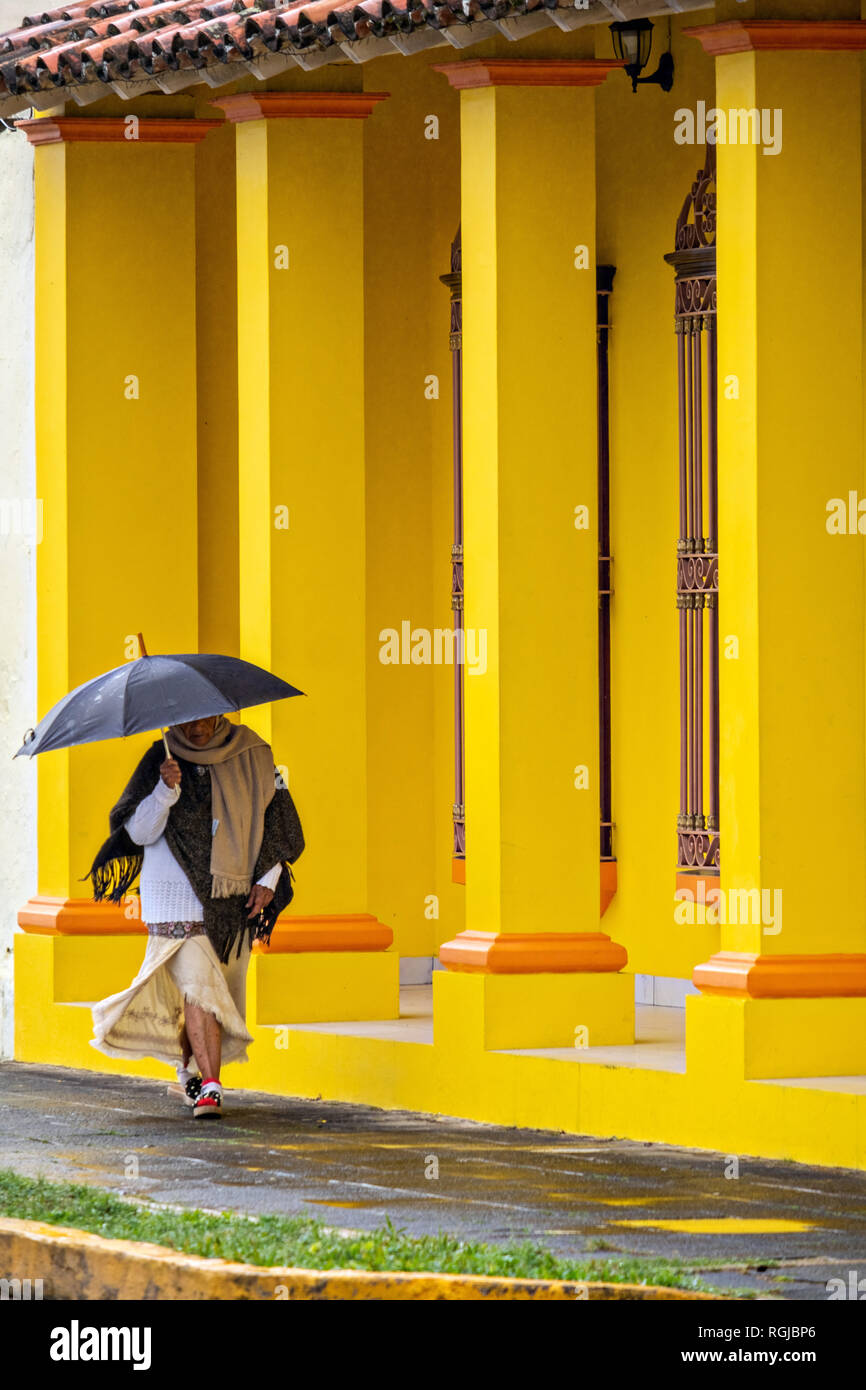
307, 1243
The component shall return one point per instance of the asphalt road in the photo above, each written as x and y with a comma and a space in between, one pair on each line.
354, 1166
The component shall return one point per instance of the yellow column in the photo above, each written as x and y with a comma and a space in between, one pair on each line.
785, 995
300, 201
532, 965
115, 452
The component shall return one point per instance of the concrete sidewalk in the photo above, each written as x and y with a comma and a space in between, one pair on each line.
354, 1166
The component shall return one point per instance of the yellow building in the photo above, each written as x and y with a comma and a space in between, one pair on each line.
285, 412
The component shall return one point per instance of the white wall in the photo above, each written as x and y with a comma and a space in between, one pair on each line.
13, 11
17, 545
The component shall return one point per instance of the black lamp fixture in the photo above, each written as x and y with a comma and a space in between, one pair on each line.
632, 44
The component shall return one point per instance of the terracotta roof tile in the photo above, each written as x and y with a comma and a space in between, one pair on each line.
83, 50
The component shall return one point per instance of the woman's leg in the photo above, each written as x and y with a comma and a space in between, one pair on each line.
235, 975
205, 1036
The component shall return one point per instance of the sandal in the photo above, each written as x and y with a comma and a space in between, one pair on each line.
208, 1105
192, 1090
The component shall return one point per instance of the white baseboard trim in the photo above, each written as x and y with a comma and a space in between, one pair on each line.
664, 991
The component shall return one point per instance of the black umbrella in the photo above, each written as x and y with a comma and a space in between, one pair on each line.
150, 693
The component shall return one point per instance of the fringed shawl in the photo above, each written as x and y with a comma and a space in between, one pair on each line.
188, 833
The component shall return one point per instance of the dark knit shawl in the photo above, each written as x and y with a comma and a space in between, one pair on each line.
188, 834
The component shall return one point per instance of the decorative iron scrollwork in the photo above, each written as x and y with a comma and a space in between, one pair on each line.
698, 849
698, 574
695, 298
696, 224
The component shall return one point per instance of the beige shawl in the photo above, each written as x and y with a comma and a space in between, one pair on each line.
242, 784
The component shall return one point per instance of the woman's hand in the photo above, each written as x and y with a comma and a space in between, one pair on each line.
170, 772
258, 899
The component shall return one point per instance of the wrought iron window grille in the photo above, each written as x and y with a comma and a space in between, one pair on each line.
697, 558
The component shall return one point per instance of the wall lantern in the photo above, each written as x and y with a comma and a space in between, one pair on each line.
632, 44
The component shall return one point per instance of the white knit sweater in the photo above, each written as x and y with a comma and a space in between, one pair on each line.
166, 892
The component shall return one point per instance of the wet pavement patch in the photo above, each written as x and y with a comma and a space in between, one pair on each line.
781, 1230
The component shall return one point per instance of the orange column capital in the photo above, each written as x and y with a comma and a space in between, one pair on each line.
528, 72
257, 106
780, 36
148, 130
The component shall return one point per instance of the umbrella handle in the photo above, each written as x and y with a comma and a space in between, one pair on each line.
168, 752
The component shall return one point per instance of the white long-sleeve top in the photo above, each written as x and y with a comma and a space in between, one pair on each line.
166, 892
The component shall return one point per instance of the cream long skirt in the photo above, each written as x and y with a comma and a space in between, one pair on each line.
146, 1020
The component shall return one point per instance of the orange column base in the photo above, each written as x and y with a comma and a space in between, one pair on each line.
532, 953
353, 931
48, 916
744, 975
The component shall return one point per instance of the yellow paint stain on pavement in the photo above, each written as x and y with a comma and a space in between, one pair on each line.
641, 1201
591, 1199
722, 1225
322, 1202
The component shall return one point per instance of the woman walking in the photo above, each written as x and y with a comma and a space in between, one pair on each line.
212, 831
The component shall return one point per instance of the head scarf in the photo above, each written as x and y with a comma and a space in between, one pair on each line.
242, 785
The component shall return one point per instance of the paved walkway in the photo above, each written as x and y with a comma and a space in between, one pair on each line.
354, 1166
